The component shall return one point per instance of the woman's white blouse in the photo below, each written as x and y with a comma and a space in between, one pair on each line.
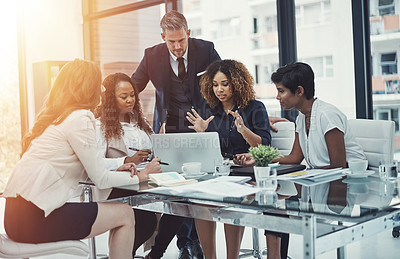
325, 117
49, 172
133, 137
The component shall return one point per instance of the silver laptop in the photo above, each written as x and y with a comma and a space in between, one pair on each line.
178, 148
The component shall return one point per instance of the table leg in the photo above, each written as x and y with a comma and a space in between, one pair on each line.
309, 236
340, 251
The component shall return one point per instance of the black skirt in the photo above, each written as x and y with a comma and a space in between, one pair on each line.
25, 222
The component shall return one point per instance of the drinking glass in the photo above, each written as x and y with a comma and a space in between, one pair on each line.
388, 170
266, 178
222, 167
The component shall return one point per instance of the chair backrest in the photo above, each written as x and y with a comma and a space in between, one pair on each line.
284, 138
376, 138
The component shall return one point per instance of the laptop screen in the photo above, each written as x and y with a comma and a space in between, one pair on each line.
178, 148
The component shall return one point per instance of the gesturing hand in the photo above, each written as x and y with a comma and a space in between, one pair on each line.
238, 121
199, 124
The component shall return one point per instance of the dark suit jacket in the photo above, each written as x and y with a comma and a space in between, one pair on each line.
155, 66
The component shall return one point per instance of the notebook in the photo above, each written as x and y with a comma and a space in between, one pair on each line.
281, 169
178, 148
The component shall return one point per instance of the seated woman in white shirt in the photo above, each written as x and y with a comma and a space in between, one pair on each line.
323, 137
57, 154
123, 137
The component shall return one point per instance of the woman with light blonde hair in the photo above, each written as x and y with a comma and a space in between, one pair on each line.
57, 154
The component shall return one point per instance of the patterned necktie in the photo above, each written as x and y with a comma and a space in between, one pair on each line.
181, 68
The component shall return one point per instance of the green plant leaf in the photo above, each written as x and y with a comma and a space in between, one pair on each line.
264, 154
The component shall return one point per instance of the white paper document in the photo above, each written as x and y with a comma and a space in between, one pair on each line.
225, 186
313, 176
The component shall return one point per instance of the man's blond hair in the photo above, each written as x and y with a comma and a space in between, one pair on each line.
173, 21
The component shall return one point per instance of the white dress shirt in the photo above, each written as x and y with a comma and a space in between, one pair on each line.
173, 60
133, 137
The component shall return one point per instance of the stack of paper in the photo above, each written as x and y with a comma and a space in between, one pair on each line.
224, 186
169, 179
313, 176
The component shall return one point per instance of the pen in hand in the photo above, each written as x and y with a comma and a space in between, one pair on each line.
162, 163
148, 160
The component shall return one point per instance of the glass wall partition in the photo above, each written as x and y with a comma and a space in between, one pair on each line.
385, 51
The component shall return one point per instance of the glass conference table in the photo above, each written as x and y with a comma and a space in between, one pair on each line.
329, 215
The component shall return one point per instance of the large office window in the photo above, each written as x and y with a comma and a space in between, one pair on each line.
245, 31
118, 42
327, 51
10, 123
385, 50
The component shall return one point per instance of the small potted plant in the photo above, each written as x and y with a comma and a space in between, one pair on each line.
263, 156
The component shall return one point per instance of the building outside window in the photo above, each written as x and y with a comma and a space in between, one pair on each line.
385, 36
255, 26
386, 7
268, 70
256, 79
322, 66
226, 28
195, 32
389, 113
389, 63
393, 87
313, 13
271, 24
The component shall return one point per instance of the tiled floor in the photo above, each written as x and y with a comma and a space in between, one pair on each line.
382, 245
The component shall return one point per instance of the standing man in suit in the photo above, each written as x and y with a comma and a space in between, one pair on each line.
174, 68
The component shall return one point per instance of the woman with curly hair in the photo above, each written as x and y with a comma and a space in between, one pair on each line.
123, 137
120, 117
241, 122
